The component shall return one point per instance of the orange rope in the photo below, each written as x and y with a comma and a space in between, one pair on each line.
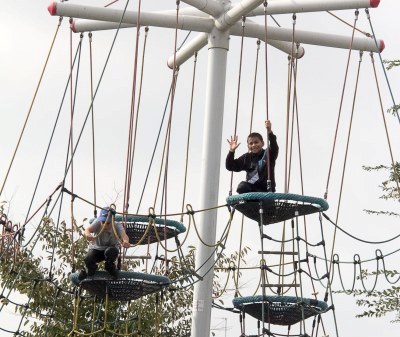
254, 85
31, 106
188, 133
93, 130
71, 142
238, 93
341, 105
128, 171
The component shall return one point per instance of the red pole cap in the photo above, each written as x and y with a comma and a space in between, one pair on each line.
52, 8
381, 45
73, 26
374, 3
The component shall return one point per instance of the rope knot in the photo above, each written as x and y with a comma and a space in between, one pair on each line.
190, 210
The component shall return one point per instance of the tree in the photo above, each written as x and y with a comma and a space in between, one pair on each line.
41, 275
380, 303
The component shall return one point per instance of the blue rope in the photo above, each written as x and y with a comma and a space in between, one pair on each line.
383, 67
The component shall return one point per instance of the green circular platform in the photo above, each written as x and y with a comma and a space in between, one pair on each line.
128, 286
277, 207
280, 310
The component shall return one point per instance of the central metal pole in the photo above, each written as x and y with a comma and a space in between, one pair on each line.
218, 43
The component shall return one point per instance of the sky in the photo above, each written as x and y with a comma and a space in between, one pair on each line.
27, 33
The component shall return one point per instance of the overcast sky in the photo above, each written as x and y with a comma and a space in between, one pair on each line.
26, 35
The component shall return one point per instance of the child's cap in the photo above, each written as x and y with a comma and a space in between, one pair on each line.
104, 214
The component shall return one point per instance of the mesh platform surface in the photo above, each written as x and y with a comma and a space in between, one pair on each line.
137, 225
280, 310
277, 207
137, 233
128, 286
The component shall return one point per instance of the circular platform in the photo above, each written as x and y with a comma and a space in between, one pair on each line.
277, 207
128, 286
280, 310
136, 226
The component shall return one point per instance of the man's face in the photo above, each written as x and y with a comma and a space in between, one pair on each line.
254, 144
108, 221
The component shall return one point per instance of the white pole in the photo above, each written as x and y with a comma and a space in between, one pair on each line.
157, 19
301, 36
209, 181
235, 13
306, 6
205, 24
273, 7
183, 54
188, 50
212, 7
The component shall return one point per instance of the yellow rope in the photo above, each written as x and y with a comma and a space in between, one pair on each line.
225, 285
239, 258
218, 242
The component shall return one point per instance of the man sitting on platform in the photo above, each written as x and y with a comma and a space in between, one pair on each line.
104, 236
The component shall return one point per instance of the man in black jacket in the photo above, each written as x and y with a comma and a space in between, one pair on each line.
258, 163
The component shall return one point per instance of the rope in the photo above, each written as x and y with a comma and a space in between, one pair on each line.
71, 138
239, 258
291, 78
157, 140
348, 140
77, 52
236, 281
98, 84
349, 24
254, 85
238, 92
169, 125
395, 177
266, 59
267, 97
31, 106
188, 133
341, 104
130, 152
395, 107
133, 147
93, 129
359, 239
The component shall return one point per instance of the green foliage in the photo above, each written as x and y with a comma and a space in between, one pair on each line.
390, 65
390, 187
379, 303
40, 273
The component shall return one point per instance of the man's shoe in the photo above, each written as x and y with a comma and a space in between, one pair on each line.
112, 270
91, 271
82, 275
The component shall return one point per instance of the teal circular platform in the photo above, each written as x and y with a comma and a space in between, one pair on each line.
128, 286
136, 226
277, 207
138, 231
280, 310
